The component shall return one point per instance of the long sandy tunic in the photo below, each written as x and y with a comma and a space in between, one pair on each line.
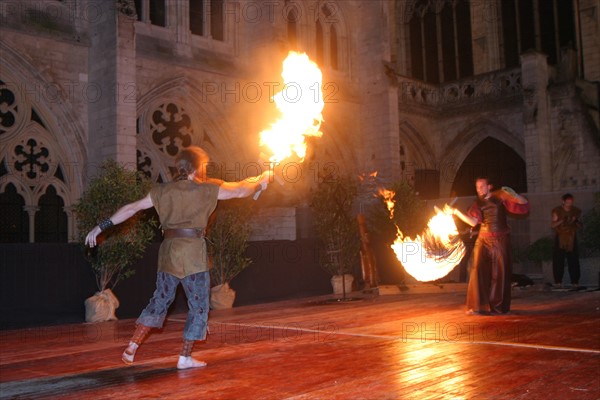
184, 204
567, 230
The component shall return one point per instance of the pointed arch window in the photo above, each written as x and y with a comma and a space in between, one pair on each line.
217, 31
333, 47
440, 40
165, 127
547, 26
31, 160
14, 220
157, 12
197, 17
328, 33
151, 11
292, 28
51, 222
320, 45
207, 18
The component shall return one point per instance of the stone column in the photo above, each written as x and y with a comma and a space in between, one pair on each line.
485, 20
179, 21
402, 54
536, 121
112, 121
126, 92
31, 210
379, 98
71, 224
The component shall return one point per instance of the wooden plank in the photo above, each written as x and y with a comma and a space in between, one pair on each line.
386, 347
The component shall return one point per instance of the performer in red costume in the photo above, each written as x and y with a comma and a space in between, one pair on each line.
490, 279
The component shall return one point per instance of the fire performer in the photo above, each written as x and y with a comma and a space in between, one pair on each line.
490, 279
183, 207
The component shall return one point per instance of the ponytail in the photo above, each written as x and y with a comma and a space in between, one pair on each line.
182, 174
189, 160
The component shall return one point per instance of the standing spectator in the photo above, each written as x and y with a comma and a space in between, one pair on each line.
565, 222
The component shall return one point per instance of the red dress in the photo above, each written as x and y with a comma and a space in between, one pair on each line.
490, 279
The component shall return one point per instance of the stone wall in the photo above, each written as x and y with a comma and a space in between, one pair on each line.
274, 223
112, 72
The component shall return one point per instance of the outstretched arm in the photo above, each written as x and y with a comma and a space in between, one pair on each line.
121, 215
513, 202
507, 193
467, 219
245, 188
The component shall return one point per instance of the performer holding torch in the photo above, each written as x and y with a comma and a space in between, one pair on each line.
490, 279
183, 207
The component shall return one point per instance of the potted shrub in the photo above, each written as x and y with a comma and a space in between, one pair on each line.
337, 230
590, 234
538, 251
227, 239
540, 254
119, 246
590, 245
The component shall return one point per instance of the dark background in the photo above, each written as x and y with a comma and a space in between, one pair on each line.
47, 283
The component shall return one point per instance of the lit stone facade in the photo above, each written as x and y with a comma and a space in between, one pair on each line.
90, 79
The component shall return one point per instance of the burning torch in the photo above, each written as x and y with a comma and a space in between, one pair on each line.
263, 160
300, 115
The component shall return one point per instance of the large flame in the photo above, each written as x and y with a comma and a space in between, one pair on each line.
435, 252
300, 103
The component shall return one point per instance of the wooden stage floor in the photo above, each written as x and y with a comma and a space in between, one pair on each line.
416, 346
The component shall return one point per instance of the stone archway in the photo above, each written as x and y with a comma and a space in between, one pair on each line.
54, 114
495, 160
464, 144
175, 115
41, 140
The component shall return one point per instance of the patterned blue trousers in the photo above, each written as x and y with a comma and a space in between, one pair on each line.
197, 291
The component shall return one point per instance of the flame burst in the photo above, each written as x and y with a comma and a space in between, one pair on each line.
435, 252
388, 199
301, 104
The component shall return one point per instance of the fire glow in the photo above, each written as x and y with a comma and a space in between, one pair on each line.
433, 253
301, 104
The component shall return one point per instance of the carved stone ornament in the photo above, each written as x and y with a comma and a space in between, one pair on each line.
126, 7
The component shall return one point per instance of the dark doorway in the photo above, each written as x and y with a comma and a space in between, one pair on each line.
493, 159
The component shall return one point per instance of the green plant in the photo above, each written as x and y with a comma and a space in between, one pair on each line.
227, 240
336, 225
538, 251
590, 234
113, 187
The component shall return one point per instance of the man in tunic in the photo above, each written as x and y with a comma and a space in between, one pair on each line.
183, 207
489, 289
565, 222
